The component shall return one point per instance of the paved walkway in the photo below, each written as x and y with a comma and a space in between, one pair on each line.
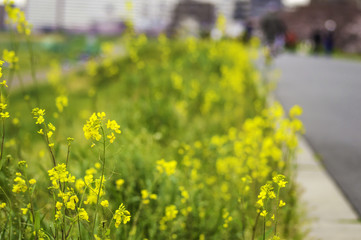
329, 90
331, 216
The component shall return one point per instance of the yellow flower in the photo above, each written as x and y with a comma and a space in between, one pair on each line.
51, 126
5, 115
41, 132
59, 205
72, 201
170, 212
2, 205
60, 173
32, 181
105, 203
113, 126
98, 165
280, 180
3, 106
20, 185
79, 185
38, 115
24, 210
91, 128
83, 215
121, 215
57, 215
11, 58
119, 183
295, 111
61, 102
4, 83
167, 167
111, 137
50, 133
282, 203
264, 213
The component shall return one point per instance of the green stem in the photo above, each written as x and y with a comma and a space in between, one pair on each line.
2, 139
49, 148
277, 207
255, 227
264, 228
101, 180
32, 67
3, 131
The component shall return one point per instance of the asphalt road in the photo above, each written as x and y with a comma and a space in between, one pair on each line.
329, 90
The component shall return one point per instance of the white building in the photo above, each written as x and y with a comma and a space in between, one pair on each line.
85, 15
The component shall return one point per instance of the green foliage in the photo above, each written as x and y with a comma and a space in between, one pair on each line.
200, 156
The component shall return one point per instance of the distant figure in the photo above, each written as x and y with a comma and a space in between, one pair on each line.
330, 26
247, 35
278, 44
329, 42
317, 41
291, 41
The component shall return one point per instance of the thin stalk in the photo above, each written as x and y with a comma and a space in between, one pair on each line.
101, 180
32, 67
264, 228
255, 227
67, 156
3, 131
31, 206
49, 148
277, 207
2, 139
79, 227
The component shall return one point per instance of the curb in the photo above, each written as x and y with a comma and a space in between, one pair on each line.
332, 217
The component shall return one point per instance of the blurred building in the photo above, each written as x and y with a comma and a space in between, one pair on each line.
2, 17
346, 14
262, 7
147, 15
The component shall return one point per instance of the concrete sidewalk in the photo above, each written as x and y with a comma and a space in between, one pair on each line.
332, 217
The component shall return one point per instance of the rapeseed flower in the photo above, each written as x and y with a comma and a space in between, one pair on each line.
10, 58
166, 167
121, 215
20, 185
83, 215
104, 203
60, 174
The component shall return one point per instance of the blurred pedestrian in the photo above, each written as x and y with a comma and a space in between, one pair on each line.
247, 35
317, 41
290, 41
330, 27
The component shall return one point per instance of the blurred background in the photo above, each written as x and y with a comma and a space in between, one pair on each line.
304, 25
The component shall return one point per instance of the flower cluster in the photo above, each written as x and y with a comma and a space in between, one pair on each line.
121, 215
38, 114
17, 17
280, 180
166, 167
146, 196
59, 174
10, 58
94, 125
171, 213
20, 184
